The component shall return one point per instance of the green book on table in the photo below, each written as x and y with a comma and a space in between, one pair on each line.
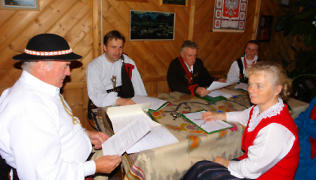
209, 126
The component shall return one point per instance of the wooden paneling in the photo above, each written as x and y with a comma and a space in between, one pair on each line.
71, 19
80, 21
219, 49
279, 47
152, 57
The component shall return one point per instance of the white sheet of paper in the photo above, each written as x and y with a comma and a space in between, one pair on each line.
223, 92
210, 126
243, 86
155, 103
157, 137
122, 115
217, 85
125, 138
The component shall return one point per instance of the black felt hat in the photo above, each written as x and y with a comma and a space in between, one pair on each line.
47, 47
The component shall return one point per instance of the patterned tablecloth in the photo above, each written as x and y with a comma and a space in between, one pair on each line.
172, 161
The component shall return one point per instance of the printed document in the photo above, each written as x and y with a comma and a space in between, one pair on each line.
217, 85
121, 116
125, 138
155, 103
207, 126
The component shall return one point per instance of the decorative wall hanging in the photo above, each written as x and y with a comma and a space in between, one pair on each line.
174, 2
152, 25
230, 15
19, 4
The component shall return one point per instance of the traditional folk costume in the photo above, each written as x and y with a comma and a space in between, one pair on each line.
237, 71
306, 123
270, 144
182, 79
39, 135
104, 80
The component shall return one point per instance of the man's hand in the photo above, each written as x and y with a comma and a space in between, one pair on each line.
201, 91
124, 101
210, 116
222, 161
97, 138
106, 164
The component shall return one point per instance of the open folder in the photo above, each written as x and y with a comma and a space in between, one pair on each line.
134, 131
209, 126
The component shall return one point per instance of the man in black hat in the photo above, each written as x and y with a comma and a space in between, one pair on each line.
40, 137
113, 78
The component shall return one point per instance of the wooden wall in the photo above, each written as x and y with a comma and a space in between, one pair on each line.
79, 21
220, 49
70, 19
279, 47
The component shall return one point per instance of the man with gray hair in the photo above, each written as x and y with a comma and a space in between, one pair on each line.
40, 136
187, 73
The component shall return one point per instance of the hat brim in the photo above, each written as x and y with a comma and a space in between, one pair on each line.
66, 57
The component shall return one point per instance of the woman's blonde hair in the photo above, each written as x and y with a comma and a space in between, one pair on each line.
278, 73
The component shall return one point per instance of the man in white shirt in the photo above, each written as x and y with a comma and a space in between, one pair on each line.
237, 71
113, 78
40, 137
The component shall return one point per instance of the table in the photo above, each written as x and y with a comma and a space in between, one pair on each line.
172, 161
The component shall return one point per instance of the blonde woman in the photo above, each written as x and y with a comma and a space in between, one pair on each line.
270, 140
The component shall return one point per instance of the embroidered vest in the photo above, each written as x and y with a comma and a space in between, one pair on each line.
286, 167
242, 77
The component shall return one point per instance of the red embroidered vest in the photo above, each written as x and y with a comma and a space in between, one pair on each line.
286, 167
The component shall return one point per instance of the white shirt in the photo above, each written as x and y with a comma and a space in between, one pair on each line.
99, 74
272, 143
233, 73
38, 136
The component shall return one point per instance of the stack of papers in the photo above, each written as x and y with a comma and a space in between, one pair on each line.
223, 92
155, 103
134, 131
243, 86
217, 85
209, 126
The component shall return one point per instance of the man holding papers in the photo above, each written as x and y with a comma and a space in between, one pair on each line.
40, 136
187, 73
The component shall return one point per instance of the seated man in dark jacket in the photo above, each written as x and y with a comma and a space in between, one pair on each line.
187, 74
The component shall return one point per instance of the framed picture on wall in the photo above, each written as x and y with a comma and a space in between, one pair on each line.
152, 25
19, 4
229, 15
265, 28
174, 2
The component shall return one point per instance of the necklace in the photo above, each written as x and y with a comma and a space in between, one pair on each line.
75, 120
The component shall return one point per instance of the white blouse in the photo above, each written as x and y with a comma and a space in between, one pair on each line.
272, 143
